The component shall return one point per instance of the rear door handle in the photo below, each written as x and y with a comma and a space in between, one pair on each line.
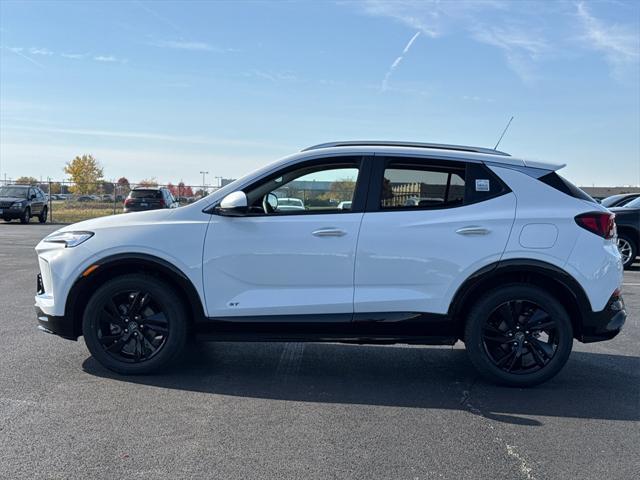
328, 232
473, 230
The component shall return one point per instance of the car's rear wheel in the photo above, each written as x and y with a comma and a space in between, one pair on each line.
26, 216
135, 324
6, 219
628, 249
42, 218
518, 335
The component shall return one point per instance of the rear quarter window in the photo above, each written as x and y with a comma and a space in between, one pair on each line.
565, 186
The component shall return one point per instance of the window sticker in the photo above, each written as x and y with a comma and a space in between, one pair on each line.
482, 185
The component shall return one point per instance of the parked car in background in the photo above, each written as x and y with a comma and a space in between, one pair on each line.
149, 198
619, 200
22, 202
285, 204
86, 198
344, 205
628, 226
517, 285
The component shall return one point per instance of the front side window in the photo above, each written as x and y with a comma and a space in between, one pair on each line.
415, 186
327, 188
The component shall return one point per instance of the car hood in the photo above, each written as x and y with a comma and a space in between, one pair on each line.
12, 199
120, 220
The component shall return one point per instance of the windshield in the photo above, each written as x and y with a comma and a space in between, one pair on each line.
14, 192
633, 204
145, 194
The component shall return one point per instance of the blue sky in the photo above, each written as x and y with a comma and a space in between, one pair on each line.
167, 89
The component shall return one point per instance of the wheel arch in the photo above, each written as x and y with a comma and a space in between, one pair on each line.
546, 276
122, 264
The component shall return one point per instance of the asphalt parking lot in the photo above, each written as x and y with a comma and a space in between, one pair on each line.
294, 410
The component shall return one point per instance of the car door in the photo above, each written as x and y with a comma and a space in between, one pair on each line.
428, 226
35, 201
289, 265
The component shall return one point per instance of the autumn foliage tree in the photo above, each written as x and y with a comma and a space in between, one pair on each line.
27, 180
86, 172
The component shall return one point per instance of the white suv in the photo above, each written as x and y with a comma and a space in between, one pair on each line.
441, 243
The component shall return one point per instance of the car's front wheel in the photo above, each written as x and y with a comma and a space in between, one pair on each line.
26, 216
135, 324
518, 335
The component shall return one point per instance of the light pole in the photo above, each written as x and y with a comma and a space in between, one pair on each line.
219, 181
203, 174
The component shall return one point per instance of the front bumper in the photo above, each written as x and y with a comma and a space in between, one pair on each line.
60, 326
604, 325
12, 213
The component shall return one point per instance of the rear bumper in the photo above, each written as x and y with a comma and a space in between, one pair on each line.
60, 326
604, 325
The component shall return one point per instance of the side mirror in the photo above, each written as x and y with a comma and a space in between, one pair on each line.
233, 205
33, 196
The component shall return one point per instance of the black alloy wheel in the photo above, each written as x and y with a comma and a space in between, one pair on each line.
518, 335
135, 324
133, 327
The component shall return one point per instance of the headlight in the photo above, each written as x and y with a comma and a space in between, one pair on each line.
18, 205
69, 239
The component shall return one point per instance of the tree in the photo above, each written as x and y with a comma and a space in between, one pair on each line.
85, 172
184, 191
148, 182
27, 180
341, 190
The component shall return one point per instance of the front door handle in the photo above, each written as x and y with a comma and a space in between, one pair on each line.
473, 230
328, 232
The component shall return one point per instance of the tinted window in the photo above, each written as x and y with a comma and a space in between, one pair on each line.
145, 194
415, 186
482, 184
565, 186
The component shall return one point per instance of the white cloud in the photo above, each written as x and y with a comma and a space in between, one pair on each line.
273, 76
18, 51
105, 58
183, 45
73, 56
397, 61
40, 51
620, 44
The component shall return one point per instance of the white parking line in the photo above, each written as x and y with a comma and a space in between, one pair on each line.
632, 284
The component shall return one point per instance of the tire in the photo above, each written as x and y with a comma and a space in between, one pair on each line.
628, 249
42, 218
518, 335
26, 216
6, 219
116, 340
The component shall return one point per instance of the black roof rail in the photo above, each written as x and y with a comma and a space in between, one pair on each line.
383, 143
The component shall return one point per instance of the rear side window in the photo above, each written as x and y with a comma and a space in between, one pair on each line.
425, 184
145, 194
415, 185
565, 186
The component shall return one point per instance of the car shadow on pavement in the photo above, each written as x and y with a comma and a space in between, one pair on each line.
596, 386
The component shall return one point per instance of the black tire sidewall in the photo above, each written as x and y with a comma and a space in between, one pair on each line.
26, 217
171, 305
483, 308
42, 218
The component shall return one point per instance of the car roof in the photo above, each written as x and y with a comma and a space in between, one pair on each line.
431, 150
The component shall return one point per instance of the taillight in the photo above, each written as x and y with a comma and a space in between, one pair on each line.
601, 223
127, 201
161, 202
